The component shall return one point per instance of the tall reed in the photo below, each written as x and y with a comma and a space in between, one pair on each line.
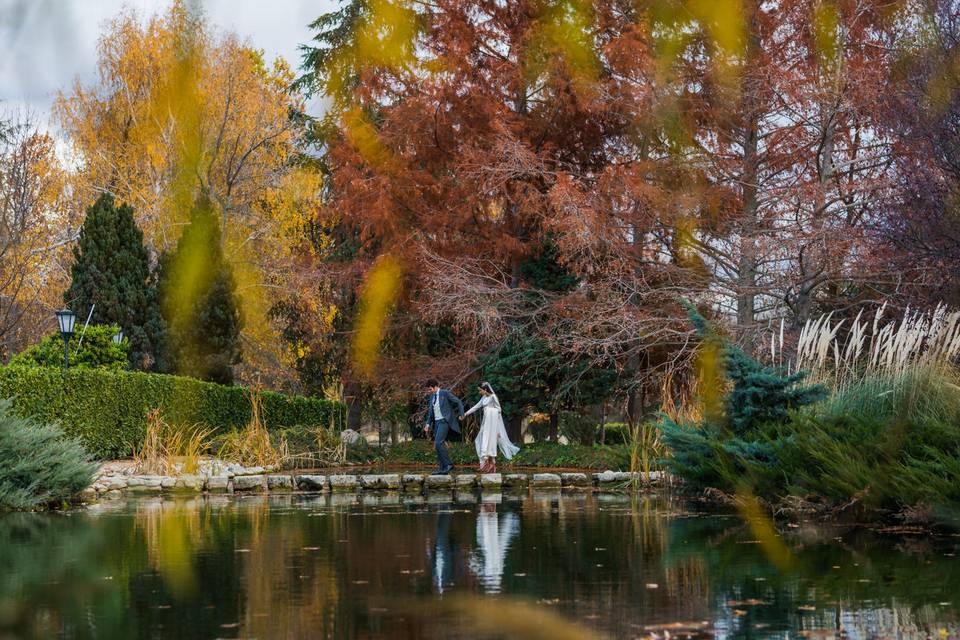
171, 449
918, 340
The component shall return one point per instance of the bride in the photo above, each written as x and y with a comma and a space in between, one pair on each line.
493, 433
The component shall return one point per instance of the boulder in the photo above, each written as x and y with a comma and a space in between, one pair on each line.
380, 482
516, 480
412, 482
189, 483
574, 480
249, 483
491, 480
343, 483
438, 482
219, 484
465, 480
311, 483
280, 482
544, 480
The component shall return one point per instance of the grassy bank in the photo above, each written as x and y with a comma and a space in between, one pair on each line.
881, 440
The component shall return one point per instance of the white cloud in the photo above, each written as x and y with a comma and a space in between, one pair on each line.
45, 45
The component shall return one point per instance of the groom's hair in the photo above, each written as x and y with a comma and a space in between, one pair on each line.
432, 382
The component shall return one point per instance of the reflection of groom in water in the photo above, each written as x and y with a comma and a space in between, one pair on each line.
442, 419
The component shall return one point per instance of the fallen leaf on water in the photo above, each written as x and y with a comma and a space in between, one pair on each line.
806, 607
652, 585
739, 612
745, 603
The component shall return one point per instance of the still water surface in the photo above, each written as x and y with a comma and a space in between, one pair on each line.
386, 567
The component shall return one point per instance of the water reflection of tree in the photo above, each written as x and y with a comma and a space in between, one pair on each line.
606, 566
54, 569
856, 579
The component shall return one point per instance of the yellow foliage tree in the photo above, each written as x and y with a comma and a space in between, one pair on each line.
181, 109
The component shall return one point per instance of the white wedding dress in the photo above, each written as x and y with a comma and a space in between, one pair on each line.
493, 433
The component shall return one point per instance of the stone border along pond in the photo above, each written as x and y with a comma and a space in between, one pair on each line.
111, 484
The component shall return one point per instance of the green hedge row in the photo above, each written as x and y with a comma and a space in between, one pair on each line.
107, 410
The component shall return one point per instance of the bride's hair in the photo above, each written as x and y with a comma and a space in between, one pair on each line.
486, 387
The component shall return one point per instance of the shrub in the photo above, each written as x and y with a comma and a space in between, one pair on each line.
38, 465
616, 433
97, 350
538, 427
108, 410
579, 428
171, 449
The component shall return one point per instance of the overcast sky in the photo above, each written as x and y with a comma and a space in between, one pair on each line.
46, 44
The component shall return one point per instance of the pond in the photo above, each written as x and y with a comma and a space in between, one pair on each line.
545, 566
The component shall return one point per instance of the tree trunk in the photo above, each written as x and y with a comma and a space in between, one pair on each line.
394, 432
553, 434
514, 428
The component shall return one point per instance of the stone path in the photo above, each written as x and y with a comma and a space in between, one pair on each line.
259, 480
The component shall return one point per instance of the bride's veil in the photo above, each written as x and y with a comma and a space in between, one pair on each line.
496, 400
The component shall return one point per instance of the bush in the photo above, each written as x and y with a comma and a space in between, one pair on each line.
578, 428
38, 465
616, 433
538, 427
108, 410
98, 350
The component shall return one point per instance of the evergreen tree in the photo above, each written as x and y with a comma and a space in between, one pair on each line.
740, 443
111, 270
198, 294
758, 395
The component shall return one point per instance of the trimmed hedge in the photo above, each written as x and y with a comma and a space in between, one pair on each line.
107, 410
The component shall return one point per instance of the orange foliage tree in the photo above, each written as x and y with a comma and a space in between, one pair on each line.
181, 110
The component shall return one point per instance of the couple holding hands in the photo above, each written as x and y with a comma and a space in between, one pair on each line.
444, 412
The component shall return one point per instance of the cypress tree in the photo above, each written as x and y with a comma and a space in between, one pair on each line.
111, 270
198, 294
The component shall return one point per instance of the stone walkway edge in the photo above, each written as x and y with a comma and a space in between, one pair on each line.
110, 486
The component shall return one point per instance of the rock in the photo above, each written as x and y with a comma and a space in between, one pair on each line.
311, 483
343, 483
466, 480
412, 482
436, 482
574, 480
612, 477
350, 437
219, 484
116, 482
88, 495
113, 494
494, 480
383, 481
189, 483
249, 483
168, 482
516, 480
144, 483
280, 482
541, 480
253, 471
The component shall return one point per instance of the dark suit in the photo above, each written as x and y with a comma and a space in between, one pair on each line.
451, 408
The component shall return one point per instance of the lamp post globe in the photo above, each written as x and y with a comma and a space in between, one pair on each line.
118, 337
65, 321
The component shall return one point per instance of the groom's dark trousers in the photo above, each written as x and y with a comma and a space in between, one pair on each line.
440, 431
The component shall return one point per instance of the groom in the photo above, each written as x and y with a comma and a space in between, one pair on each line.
441, 417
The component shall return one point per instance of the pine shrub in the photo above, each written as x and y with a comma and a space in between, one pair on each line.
96, 350
111, 275
38, 464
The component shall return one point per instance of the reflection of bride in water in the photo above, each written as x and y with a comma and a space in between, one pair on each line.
495, 534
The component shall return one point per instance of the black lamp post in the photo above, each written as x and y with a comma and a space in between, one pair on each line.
118, 337
65, 319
